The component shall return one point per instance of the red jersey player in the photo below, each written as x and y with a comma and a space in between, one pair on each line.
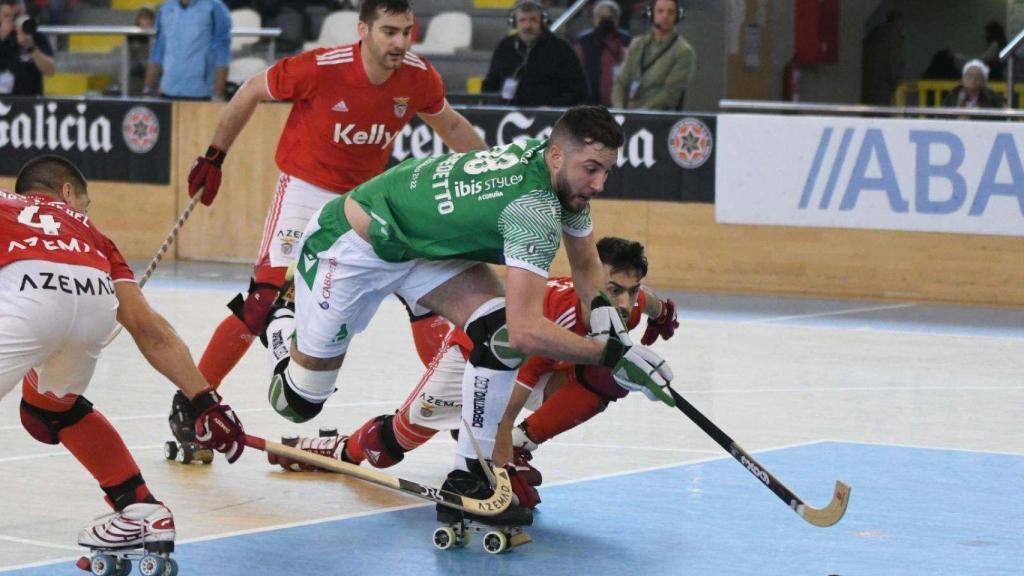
65, 285
348, 104
562, 395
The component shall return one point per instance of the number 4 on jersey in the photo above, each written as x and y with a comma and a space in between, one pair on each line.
46, 223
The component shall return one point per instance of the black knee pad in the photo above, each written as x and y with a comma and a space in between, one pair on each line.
254, 309
45, 425
286, 401
491, 346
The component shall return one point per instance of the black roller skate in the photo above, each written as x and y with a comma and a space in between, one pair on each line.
183, 426
501, 532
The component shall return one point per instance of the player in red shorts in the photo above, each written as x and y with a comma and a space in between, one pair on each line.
561, 395
65, 286
348, 104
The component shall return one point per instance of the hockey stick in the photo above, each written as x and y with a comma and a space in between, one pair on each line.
822, 517
499, 501
168, 241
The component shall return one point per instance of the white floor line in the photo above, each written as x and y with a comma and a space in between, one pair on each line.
39, 543
163, 415
826, 314
920, 447
66, 453
628, 448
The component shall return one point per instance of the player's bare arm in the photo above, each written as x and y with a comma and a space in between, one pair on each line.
238, 112
503, 442
531, 333
157, 340
455, 130
588, 274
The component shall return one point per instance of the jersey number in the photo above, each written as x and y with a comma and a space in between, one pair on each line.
46, 223
490, 160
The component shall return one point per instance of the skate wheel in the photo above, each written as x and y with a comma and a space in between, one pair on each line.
102, 565
328, 432
123, 567
172, 567
444, 538
495, 542
152, 565
170, 450
187, 453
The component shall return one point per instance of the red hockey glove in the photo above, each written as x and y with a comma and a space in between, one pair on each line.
205, 174
664, 325
217, 427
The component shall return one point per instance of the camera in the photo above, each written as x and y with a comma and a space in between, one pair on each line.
26, 24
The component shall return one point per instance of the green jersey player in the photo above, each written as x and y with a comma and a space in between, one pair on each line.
423, 230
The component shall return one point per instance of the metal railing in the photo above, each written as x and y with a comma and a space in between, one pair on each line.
271, 33
1006, 55
569, 14
860, 109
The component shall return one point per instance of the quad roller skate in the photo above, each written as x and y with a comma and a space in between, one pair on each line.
183, 426
141, 532
327, 443
500, 533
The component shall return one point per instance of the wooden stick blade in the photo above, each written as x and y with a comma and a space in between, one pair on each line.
830, 514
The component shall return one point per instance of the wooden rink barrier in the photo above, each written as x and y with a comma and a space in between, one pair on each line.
687, 249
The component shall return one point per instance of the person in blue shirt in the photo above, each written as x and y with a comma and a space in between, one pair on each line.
192, 50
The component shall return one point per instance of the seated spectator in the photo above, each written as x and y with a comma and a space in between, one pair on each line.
973, 91
602, 50
659, 65
534, 67
139, 46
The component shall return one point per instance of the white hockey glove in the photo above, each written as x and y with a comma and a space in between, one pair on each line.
633, 367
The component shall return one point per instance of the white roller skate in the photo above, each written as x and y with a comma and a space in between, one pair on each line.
142, 532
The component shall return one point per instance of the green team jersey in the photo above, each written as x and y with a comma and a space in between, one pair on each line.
494, 206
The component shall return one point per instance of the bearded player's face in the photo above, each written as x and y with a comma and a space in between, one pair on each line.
583, 174
388, 38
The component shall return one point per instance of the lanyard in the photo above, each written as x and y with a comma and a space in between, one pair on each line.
643, 54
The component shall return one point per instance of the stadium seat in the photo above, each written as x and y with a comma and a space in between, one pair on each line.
338, 28
244, 68
447, 32
244, 18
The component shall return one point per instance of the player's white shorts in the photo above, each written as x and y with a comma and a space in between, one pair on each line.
293, 205
350, 283
54, 318
436, 403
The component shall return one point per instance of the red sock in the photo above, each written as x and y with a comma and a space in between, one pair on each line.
409, 435
567, 408
229, 343
428, 333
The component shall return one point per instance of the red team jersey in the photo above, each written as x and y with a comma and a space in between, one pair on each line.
41, 228
341, 128
561, 306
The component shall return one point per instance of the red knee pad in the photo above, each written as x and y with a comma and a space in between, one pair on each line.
376, 439
45, 425
428, 334
254, 310
527, 495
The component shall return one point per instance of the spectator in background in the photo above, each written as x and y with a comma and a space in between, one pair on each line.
883, 60
973, 91
534, 67
601, 50
139, 46
25, 54
995, 40
660, 64
192, 50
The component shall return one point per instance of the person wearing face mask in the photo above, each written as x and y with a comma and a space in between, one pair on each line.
602, 50
533, 67
660, 64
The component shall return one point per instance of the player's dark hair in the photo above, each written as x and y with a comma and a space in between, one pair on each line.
48, 173
582, 125
13, 3
622, 255
370, 9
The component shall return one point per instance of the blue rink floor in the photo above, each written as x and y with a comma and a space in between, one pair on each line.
912, 511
